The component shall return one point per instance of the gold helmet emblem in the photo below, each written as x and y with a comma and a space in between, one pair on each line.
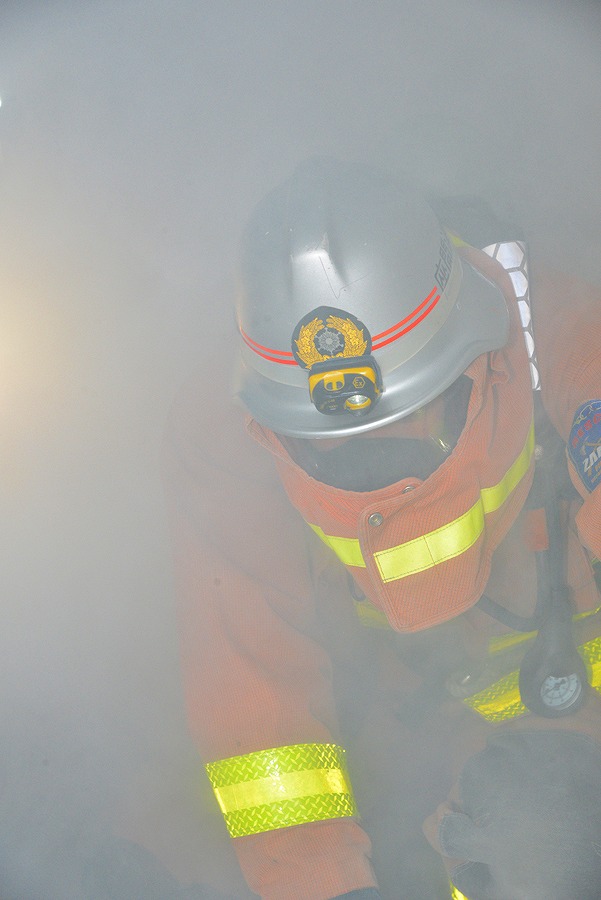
335, 347
327, 333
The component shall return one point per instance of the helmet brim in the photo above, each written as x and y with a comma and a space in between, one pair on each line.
477, 323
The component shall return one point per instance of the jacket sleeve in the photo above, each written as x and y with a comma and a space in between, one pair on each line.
567, 327
257, 682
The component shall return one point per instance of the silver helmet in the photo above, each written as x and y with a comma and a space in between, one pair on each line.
354, 309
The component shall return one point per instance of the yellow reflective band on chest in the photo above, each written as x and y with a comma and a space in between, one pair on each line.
456, 537
432, 549
444, 543
347, 550
282, 786
502, 701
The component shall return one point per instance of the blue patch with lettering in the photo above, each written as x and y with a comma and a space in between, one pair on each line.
584, 443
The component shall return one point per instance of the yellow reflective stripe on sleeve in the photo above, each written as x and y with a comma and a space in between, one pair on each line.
282, 786
502, 701
592, 657
444, 543
456, 893
347, 550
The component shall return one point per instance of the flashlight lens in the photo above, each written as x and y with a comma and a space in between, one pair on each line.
357, 404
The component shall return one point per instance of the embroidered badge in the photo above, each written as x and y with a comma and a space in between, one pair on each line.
584, 443
326, 333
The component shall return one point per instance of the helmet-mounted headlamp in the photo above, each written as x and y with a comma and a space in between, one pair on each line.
335, 347
351, 385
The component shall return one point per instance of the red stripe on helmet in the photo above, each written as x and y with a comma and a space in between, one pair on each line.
407, 318
285, 357
267, 352
409, 327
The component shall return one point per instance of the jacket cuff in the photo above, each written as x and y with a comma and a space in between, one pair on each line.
320, 860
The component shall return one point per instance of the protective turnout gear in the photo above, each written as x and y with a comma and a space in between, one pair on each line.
421, 550
428, 557
350, 288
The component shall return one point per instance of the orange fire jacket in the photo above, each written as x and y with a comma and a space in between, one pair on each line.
256, 673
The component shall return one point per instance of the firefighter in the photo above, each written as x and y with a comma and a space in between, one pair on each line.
363, 562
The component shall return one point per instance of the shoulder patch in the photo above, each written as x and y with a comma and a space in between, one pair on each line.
584, 443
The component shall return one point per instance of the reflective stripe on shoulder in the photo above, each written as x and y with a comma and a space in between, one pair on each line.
282, 786
444, 543
502, 701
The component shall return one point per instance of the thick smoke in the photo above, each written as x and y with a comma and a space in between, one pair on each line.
136, 136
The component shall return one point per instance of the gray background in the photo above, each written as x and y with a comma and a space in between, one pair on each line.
136, 137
